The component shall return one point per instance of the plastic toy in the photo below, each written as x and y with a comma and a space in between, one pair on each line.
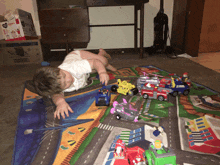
124, 110
128, 156
153, 92
45, 63
185, 79
103, 97
145, 79
158, 131
178, 87
125, 88
157, 154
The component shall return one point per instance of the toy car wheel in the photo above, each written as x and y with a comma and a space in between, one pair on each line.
160, 98
118, 117
133, 92
175, 93
114, 88
129, 162
186, 92
145, 96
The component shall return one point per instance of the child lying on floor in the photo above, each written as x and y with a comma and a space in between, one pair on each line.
71, 75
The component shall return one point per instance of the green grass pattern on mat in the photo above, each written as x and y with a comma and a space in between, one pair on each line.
134, 99
205, 91
82, 147
162, 73
161, 112
193, 91
184, 113
136, 72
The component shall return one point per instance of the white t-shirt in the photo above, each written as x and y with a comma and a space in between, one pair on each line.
79, 68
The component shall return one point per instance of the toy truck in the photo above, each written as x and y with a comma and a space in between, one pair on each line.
178, 87
125, 88
152, 92
163, 156
103, 97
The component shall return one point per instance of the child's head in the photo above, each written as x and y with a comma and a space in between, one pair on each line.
46, 81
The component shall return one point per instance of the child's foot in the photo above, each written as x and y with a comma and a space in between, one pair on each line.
110, 67
102, 52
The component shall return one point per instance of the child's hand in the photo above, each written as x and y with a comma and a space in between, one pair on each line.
104, 78
62, 109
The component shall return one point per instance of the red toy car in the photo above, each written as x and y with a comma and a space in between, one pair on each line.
127, 156
152, 92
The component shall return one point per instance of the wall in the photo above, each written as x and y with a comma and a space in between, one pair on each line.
106, 37
210, 32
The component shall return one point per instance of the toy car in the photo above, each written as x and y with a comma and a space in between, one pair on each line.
125, 88
145, 79
127, 156
156, 156
178, 87
124, 110
152, 92
103, 97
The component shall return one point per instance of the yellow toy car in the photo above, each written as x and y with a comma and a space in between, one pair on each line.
125, 88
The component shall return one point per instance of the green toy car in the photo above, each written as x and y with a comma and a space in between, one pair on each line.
162, 156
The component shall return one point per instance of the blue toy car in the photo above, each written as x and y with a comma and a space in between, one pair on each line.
103, 97
178, 87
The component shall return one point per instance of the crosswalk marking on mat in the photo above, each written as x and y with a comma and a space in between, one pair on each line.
106, 127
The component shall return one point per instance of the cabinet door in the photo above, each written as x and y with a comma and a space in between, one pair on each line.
54, 35
79, 35
193, 26
64, 35
64, 18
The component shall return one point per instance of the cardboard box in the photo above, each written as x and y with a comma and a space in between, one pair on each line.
20, 52
19, 27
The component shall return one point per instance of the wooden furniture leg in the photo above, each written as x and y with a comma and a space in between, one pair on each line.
141, 30
135, 26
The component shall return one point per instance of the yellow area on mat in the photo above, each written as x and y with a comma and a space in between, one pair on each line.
77, 133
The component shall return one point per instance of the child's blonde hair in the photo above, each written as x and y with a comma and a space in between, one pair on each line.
46, 81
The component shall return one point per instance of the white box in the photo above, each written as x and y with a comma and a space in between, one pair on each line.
19, 27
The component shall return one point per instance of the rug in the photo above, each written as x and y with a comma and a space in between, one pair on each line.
42, 140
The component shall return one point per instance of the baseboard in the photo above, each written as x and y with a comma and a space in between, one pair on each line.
115, 51
58, 55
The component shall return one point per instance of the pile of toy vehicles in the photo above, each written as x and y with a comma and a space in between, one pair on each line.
155, 88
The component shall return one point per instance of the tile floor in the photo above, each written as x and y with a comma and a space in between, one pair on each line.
209, 60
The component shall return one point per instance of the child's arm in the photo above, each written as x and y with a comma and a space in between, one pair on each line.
100, 68
62, 106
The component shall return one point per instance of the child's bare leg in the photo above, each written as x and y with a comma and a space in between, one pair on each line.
90, 56
102, 52
101, 56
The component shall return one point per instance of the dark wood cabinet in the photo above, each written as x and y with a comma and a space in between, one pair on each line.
62, 26
67, 28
